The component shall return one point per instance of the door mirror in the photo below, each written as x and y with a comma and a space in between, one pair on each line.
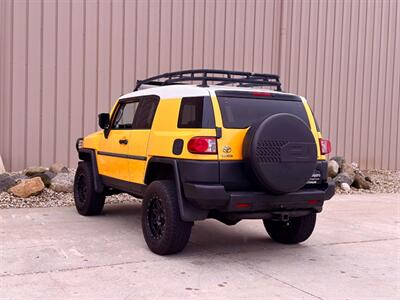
104, 120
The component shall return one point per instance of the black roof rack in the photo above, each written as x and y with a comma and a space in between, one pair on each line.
218, 77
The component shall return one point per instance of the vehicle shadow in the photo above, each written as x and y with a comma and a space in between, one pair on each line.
209, 237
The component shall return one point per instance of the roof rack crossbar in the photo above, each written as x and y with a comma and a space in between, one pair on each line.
206, 75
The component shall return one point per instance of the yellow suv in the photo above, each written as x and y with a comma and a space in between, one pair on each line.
200, 144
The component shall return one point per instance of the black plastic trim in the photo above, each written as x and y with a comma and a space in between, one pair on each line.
188, 212
135, 189
206, 196
177, 147
89, 155
215, 197
136, 157
77, 144
199, 171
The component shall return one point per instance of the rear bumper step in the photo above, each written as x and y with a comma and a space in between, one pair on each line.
215, 197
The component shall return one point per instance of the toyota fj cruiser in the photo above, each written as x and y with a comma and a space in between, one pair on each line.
226, 148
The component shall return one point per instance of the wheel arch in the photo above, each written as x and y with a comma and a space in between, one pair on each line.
167, 168
89, 156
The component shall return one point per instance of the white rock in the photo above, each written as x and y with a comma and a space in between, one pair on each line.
333, 168
2, 169
345, 187
354, 165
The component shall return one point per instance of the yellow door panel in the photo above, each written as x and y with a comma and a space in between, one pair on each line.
138, 140
110, 158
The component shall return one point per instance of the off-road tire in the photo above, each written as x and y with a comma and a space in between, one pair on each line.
295, 231
87, 201
164, 231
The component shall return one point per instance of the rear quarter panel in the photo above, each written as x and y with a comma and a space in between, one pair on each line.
165, 131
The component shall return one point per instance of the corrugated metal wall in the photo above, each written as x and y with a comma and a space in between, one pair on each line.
63, 62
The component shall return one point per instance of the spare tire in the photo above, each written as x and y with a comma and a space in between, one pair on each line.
280, 153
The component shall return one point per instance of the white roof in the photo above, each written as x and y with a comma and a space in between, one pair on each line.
185, 90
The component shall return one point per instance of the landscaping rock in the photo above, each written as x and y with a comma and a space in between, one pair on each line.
343, 178
333, 168
348, 169
367, 178
63, 182
50, 174
18, 177
2, 169
46, 177
32, 171
58, 168
345, 187
361, 183
6, 182
28, 187
340, 160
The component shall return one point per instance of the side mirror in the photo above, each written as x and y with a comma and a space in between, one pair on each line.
104, 120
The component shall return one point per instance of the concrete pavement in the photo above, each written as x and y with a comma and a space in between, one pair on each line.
56, 253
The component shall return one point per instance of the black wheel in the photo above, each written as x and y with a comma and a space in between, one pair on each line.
87, 201
294, 231
164, 231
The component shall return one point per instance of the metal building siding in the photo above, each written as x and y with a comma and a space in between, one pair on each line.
63, 62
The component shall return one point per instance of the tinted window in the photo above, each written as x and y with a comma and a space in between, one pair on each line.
196, 112
124, 116
145, 113
243, 112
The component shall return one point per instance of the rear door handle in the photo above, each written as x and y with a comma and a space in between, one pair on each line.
123, 141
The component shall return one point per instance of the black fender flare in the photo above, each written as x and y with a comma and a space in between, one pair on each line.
188, 212
89, 155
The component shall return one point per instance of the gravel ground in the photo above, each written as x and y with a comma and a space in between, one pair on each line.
49, 198
384, 181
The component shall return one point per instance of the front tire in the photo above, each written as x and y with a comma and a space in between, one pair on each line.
164, 231
87, 201
294, 231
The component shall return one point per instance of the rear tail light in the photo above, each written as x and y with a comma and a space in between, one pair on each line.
202, 145
324, 146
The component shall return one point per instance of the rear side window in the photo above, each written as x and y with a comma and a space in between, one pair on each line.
145, 113
196, 112
242, 112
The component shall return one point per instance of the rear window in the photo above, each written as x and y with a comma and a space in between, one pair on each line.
240, 112
196, 112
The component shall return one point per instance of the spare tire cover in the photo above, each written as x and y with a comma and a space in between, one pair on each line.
280, 152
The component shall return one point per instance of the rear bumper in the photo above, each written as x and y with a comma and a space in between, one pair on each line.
215, 197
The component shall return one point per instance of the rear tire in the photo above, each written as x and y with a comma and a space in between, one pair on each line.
87, 201
164, 231
295, 231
